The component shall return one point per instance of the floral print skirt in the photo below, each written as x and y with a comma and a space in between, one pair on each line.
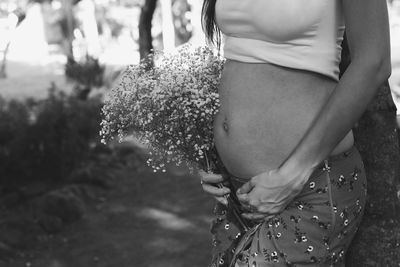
315, 229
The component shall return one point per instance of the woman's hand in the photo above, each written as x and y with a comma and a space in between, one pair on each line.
212, 184
270, 192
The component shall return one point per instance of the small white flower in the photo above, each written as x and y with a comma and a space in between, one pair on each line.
166, 105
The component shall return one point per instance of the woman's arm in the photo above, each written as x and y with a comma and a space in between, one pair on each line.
367, 31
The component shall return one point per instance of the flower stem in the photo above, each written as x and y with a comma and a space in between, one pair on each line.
231, 202
235, 210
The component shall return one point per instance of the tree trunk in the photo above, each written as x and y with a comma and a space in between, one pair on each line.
69, 16
145, 37
12, 22
377, 139
3, 73
195, 17
168, 29
89, 25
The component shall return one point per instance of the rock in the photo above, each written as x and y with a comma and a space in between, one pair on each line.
64, 203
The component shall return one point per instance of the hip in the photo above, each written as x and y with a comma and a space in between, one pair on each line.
316, 227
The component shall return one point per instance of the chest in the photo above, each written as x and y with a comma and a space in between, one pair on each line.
272, 20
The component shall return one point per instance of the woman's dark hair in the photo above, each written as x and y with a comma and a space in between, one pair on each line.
209, 24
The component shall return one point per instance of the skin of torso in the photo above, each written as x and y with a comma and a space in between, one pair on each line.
265, 111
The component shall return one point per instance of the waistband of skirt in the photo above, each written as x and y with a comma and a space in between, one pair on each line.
331, 158
345, 154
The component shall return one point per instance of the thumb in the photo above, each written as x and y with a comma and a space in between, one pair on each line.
246, 188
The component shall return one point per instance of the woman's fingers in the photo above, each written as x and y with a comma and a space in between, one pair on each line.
211, 178
225, 176
247, 187
244, 199
243, 193
212, 184
215, 191
222, 200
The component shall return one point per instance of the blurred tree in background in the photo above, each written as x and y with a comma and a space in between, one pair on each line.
11, 19
145, 23
177, 26
377, 139
39, 138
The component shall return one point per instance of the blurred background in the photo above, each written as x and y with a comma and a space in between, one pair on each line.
68, 201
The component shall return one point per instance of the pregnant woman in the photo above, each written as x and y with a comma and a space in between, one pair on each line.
283, 131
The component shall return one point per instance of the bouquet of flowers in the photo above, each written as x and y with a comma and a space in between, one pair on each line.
169, 106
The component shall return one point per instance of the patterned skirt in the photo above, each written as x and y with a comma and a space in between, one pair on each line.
315, 229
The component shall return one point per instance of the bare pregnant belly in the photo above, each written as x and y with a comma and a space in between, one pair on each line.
265, 110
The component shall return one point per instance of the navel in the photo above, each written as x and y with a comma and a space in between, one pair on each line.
225, 125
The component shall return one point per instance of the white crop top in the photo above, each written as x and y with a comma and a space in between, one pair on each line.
300, 34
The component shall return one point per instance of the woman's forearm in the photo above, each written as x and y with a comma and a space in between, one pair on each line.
343, 108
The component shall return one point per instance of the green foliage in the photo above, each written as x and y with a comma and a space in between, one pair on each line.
46, 139
86, 74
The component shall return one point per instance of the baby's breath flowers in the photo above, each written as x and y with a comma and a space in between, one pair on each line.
169, 106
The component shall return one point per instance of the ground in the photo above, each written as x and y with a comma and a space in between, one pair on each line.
138, 218
142, 219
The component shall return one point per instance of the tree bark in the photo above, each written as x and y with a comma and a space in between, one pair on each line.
145, 22
12, 22
197, 32
69, 16
3, 73
168, 29
89, 26
377, 139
